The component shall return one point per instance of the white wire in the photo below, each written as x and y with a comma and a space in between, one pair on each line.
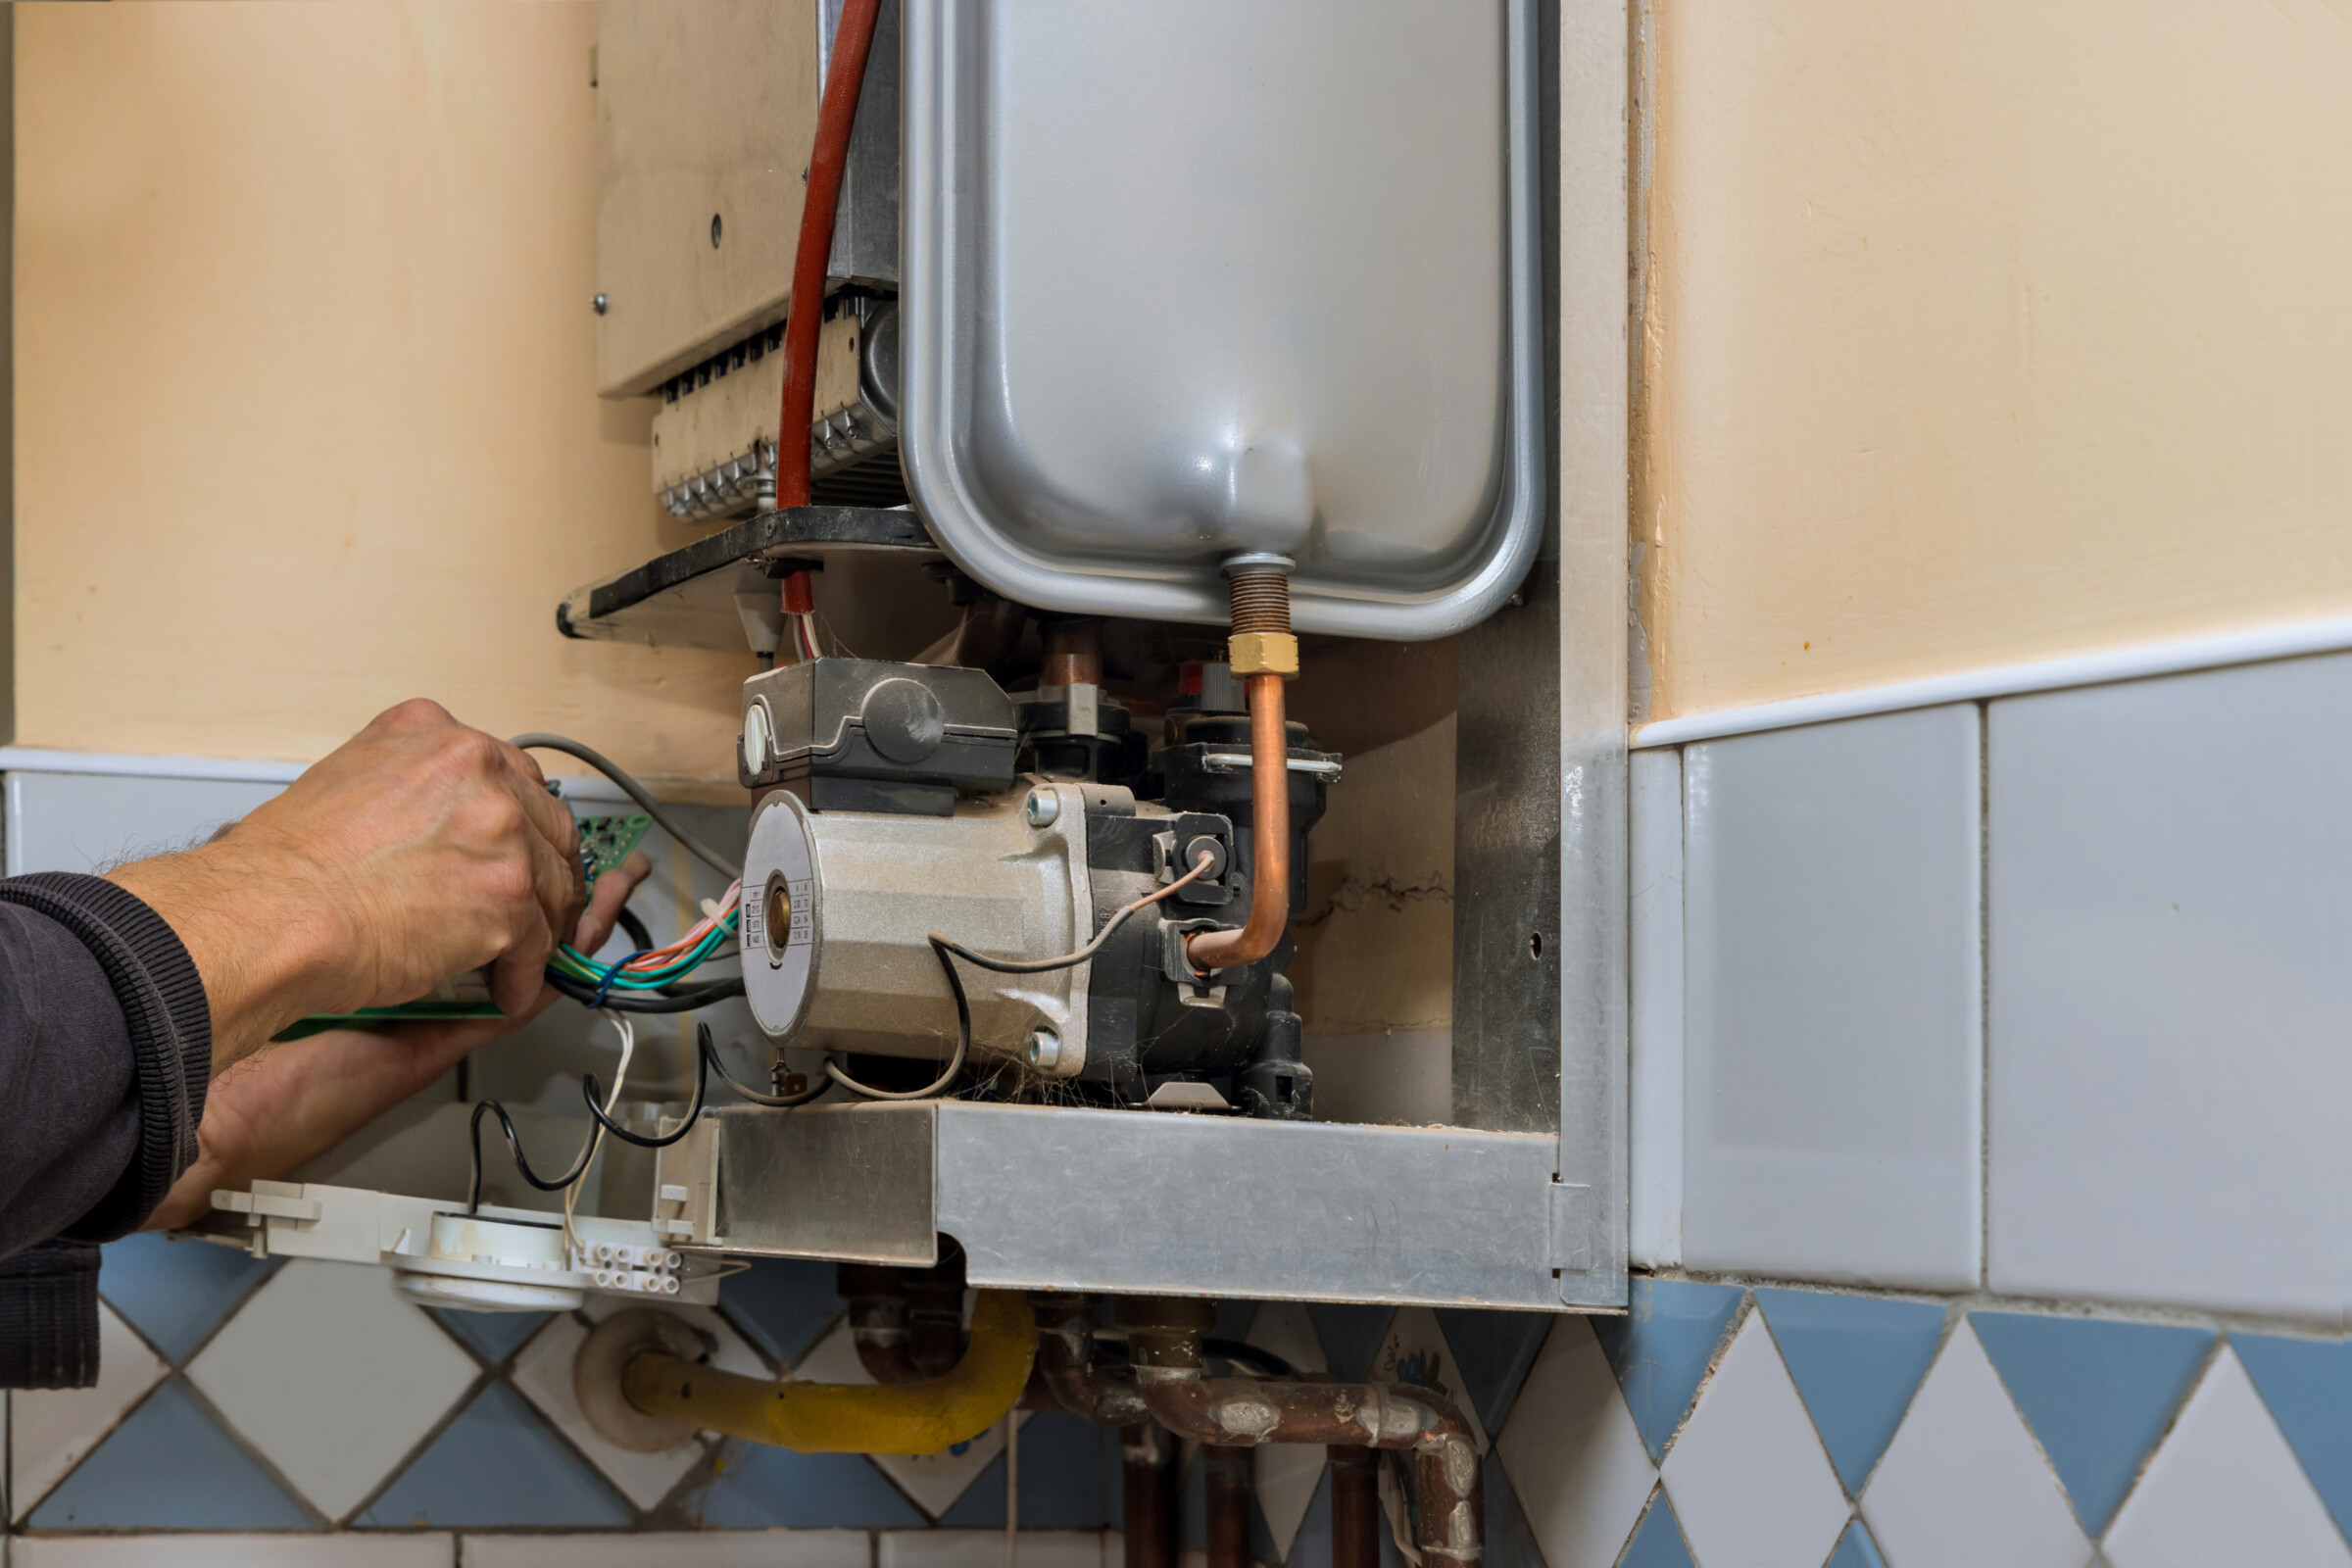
596, 1140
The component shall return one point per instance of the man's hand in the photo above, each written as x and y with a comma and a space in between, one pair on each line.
287, 1104
419, 850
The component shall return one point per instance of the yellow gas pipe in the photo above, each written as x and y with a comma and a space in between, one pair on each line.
922, 1417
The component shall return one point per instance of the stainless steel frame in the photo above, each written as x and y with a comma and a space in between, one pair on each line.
1524, 1207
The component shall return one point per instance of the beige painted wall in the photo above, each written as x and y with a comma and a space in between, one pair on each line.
1987, 331
306, 371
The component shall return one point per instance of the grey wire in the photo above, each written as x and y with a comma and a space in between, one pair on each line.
635, 792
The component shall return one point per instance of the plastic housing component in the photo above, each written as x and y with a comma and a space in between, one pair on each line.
1184, 283
868, 735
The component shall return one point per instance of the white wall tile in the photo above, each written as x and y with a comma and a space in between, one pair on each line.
50, 1430
2171, 887
1748, 1477
2224, 1490
985, 1548
1963, 1485
1573, 1454
1654, 1134
239, 1552
79, 821
1833, 1045
700, 1549
332, 1377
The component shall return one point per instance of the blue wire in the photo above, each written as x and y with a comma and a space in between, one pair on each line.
613, 973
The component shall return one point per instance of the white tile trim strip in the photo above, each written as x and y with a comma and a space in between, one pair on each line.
222, 769
2007, 680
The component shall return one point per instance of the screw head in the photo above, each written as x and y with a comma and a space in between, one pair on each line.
1045, 1047
1045, 808
598, 304
716, 230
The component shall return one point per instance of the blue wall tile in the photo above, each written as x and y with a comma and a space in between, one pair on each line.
171, 1467
496, 1465
176, 1292
1658, 1539
782, 1304
1855, 1549
1857, 1361
2097, 1394
495, 1335
1350, 1337
1070, 1475
1510, 1539
1661, 1349
1493, 1349
767, 1489
2308, 1386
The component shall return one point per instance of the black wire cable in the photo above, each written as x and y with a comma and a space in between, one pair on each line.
711, 1062
679, 999
592, 1091
641, 940
634, 791
949, 951
506, 1124
1268, 1363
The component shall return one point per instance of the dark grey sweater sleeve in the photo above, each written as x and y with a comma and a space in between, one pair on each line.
105, 1053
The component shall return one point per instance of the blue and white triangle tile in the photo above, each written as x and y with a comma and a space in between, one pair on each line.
1855, 1549
1747, 1476
492, 1335
543, 1375
315, 1343
1351, 1334
782, 1304
1069, 1471
1658, 1539
226, 1549
496, 1466
1857, 1361
1287, 1473
1662, 1347
177, 1292
2307, 1385
1572, 1453
760, 1487
700, 1549
2096, 1393
50, 1430
1963, 1484
1494, 1349
1414, 1351
2224, 1490
170, 1466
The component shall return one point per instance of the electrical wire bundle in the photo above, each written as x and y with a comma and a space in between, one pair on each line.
649, 980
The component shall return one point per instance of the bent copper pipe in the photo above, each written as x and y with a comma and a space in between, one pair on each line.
986, 635
877, 1298
1242, 1412
1065, 1359
1270, 838
1073, 652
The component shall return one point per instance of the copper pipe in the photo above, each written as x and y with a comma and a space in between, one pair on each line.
1269, 837
1449, 1496
1065, 1359
877, 1298
1149, 1497
1354, 1507
1229, 1492
1073, 653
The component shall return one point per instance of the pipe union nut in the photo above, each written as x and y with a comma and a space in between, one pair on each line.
1263, 652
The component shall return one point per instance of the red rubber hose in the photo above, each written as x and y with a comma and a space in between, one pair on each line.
835, 116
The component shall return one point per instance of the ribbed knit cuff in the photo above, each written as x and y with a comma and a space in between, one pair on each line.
49, 1316
169, 1023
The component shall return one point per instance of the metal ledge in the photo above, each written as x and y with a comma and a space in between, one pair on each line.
686, 599
1144, 1203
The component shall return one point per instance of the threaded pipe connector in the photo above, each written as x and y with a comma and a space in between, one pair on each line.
1261, 643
